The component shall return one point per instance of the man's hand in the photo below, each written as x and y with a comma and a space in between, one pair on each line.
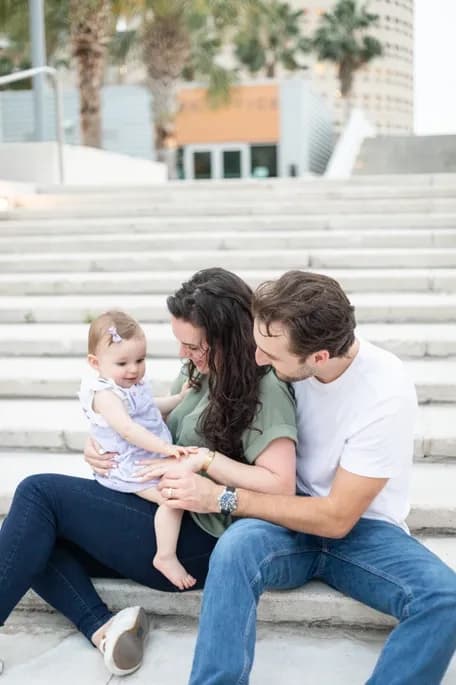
190, 491
100, 462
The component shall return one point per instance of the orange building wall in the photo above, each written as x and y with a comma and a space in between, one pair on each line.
252, 116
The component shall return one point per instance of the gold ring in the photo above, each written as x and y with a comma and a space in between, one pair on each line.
170, 493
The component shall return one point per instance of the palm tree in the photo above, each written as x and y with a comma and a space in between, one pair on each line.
91, 27
178, 38
341, 39
270, 36
181, 39
166, 49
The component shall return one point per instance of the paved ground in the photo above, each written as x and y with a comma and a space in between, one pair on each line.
52, 655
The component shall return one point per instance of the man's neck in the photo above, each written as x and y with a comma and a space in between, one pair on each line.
336, 366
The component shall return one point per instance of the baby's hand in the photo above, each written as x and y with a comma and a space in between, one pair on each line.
178, 451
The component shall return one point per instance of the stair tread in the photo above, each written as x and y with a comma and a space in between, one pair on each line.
441, 371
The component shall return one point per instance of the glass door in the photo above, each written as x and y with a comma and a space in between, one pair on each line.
231, 164
220, 160
202, 164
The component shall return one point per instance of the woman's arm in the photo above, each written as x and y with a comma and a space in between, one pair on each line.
111, 408
274, 471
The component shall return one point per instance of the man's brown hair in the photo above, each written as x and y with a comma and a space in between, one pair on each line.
314, 310
124, 324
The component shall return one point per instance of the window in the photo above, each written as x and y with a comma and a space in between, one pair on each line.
202, 164
263, 160
231, 164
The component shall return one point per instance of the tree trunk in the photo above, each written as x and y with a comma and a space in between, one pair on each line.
164, 109
166, 48
346, 72
270, 70
346, 75
90, 30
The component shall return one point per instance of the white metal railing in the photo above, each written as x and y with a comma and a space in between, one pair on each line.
50, 71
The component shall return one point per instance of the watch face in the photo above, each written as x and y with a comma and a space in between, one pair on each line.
228, 502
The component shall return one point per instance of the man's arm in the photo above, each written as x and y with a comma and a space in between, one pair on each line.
332, 516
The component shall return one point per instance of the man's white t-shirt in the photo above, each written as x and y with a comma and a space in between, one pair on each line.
364, 422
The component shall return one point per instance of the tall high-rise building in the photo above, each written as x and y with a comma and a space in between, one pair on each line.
384, 87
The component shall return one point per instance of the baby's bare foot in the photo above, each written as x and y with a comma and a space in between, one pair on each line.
174, 571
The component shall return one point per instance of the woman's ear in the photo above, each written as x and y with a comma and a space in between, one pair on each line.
93, 361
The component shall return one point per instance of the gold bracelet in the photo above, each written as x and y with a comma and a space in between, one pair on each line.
208, 460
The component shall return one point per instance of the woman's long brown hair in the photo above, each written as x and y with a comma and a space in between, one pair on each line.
219, 302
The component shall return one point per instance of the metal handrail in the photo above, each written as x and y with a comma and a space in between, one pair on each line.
50, 71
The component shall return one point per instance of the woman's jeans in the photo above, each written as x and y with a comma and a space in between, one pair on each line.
376, 563
61, 530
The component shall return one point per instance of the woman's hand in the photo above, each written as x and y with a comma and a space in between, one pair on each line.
191, 492
99, 461
149, 469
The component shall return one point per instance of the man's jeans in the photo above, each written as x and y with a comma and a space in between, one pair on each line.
377, 563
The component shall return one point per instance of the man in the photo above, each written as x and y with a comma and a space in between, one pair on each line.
356, 410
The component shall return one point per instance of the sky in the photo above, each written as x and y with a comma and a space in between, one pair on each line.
435, 66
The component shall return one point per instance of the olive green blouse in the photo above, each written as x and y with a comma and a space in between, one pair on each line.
275, 418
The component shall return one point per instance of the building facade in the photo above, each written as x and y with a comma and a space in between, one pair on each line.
384, 88
269, 128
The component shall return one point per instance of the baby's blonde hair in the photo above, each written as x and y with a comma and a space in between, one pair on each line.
125, 326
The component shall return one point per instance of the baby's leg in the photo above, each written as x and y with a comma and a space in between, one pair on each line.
152, 495
167, 526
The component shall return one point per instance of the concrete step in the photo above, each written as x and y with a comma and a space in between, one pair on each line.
142, 282
70, 340
232, 240
18, 465
370, 307
313, 604
107, 206
381, 186
433, 507
132, 224
59, 377
231, 259
422, 180
60, 425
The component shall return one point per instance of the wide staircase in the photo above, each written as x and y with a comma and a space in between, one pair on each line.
69, 254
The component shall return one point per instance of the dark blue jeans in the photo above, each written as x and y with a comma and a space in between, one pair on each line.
61, 531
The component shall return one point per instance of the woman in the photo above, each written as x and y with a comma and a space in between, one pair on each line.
61, 531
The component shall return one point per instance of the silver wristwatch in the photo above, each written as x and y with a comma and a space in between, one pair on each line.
228, 501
